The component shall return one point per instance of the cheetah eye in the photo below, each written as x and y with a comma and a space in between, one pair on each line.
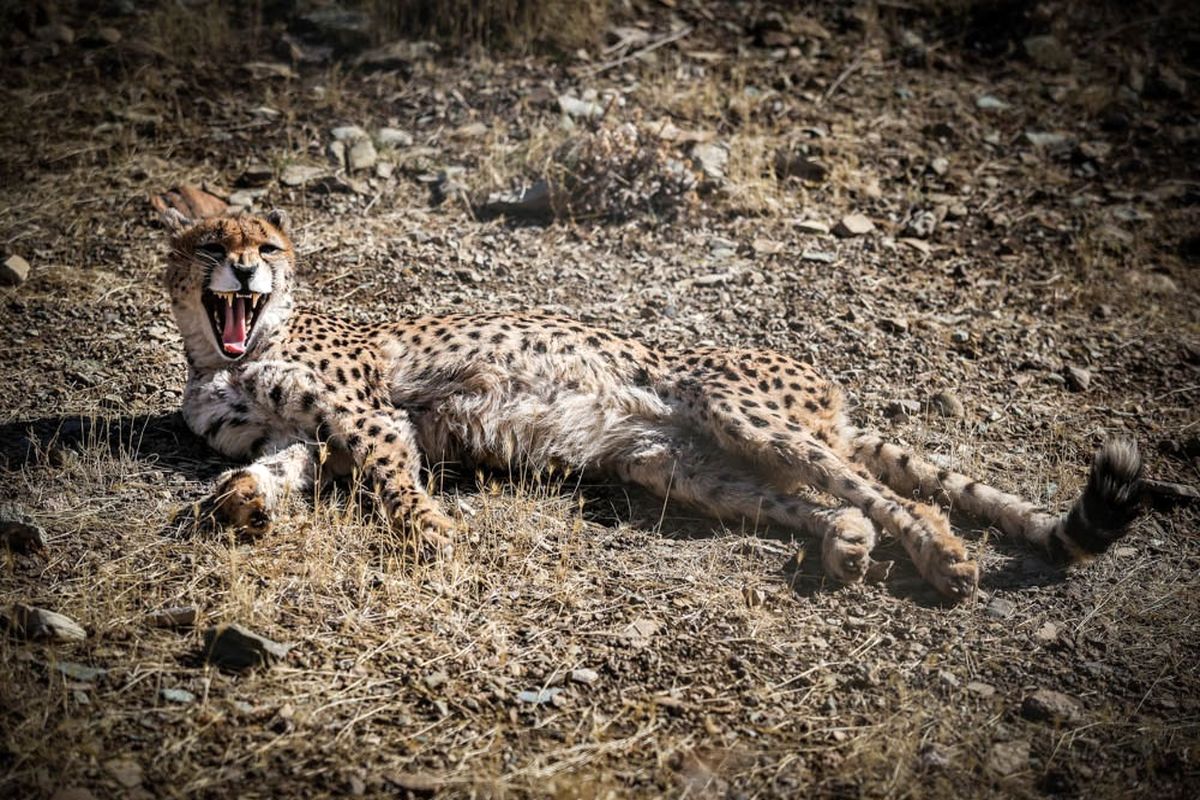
212, 250
267, 249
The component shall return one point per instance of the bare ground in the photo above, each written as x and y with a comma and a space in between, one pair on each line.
722, 662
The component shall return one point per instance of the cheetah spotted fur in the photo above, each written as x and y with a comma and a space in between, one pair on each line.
737, 433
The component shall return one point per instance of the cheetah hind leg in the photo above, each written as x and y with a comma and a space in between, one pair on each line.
722, 491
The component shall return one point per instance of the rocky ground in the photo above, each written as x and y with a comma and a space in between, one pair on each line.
980, 218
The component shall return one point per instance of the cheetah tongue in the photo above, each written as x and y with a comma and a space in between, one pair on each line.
234, 335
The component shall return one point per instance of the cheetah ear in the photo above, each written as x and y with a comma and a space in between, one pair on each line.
174, 221
280, 219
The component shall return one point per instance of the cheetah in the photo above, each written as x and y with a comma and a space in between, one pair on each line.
740, 434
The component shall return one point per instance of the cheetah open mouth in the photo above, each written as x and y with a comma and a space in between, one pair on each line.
232, 316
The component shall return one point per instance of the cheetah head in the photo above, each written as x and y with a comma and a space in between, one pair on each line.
229, 280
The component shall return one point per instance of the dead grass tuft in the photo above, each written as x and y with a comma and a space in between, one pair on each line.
521, 25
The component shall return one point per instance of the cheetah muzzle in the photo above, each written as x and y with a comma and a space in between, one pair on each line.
737, 433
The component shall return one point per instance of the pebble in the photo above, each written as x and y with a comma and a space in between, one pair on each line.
579, 109
300, 174
126, 771
901, 410
854, 225
639, 632
811, 226
933, 756
1046, 634
175, 617
40, 624
1078, 379
177, 695
256, 175
1043, 139
821, 256
434, 680
999, 608
947, 404
795, 165
981, 689
766, 247
394, 137
80, 672
584, 675
1047, 705
541, 696
1047, 52
14, 271
1008, 758
236, 647
989, 102
711, 158
348, 133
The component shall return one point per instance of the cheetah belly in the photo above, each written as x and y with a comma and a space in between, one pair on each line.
537, 426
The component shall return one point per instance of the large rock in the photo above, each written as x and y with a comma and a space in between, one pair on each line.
854, 225
14, 271
39, 624
20, 534
534, 202
235, 647
1047, 705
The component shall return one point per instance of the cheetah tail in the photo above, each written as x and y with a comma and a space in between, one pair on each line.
1109, 504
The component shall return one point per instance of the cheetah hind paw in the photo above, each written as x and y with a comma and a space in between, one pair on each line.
238, 504
429, 531
846, 549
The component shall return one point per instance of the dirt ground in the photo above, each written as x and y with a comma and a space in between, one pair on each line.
1031, 263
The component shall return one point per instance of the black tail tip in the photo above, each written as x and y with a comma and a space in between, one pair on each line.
1112, 499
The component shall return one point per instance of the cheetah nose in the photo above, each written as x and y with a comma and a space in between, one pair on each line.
244, 273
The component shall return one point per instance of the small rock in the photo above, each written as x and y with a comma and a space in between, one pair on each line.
584, 675
348, 133
300, 174
72, 793
472, 130
1078, 379
999, 608
811, 226
939, 166
1009, 758
14, 271
821, 256
39, 624
893, 324
361, 156
337, 154
434, 680
540, 697
415, 784
1047, 705
989, 102
947, 404
1047, 52
711, 159
1046, 634
175, 617
63, 34
384, 169
80, 672
236, 647
534, 202
766, 247
948, 678
394, 137
922, 224
1165, 495
255, 175
127, 772
399, 55
639, 632
796, 165
20, 535
854, 225
981, 689
177, 695
579, 109
1045, 140
901, 410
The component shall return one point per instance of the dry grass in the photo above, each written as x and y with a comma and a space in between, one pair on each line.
521, 25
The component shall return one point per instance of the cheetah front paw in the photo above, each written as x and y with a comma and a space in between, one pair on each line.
846, 549
430, 531
238, 503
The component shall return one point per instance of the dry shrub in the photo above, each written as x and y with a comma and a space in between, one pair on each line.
523, 25
617, 172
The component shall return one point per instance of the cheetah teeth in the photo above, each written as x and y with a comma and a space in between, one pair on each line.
255, 298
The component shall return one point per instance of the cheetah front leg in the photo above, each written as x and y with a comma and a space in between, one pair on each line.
384, 447
245, 497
